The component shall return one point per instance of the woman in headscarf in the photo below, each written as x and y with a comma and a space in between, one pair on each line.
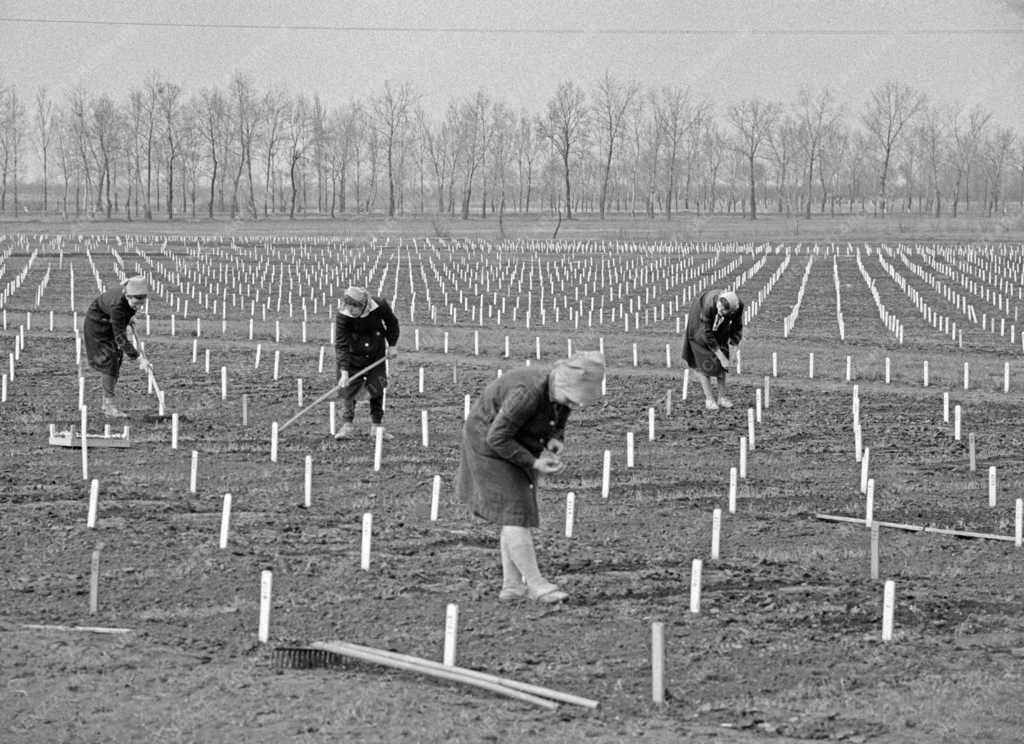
714, 324
105, 331
365, 332
513, 434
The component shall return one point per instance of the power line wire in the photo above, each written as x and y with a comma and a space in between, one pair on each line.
510, 30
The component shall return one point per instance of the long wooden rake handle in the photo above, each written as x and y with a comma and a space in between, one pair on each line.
149, 370
545, 692
343, 383
440, 671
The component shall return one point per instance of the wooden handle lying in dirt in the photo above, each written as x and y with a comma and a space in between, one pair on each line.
919, 528
329, 393
431, 669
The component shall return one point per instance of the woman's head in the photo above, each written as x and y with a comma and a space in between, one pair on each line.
728, 302
136, 291
576, 382
356, 299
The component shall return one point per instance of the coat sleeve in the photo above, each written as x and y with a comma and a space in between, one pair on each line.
120, 318
516, 410
342, 341
390, 321
705, 334
736, 327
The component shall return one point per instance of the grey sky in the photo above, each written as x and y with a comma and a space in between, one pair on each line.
520, 51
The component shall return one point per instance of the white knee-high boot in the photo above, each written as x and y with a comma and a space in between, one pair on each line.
520, 550
512, 585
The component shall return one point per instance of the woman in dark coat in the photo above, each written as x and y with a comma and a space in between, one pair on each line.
514, 433
105, 331
715, 323
365, 331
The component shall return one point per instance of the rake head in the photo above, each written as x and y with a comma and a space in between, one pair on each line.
297, 657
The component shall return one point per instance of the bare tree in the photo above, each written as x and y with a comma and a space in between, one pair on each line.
246, 124
753, 120
967, 137
934, 151
612, 103
816, 116
390, 119
438, 149
782, 145
78, 108
105, 132
997, 151
212, 117
276, 111
672, 118
565, 126
890, 109
45, 122
299, 130
169, 105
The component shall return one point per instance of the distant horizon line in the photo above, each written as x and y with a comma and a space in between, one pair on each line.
564, 31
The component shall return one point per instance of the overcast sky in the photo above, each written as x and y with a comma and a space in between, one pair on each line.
963, 51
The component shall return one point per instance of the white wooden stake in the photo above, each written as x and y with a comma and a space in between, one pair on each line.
695, 572
193, 472
451, 631
606, 474
174, 431
273, 442
570, 512
435, 498
869, 504
716, 532
956, 422
629, 449
992, 485
945, 408
266, 584
743, 457
94, 582
425, 427
1018, 520
466, 406
378, 447
650, 424
750, 429
733, 483
364, 553
874, 552
658, 662
307, 483
225, 521
864, 462
85, 445
94, 496
888, 605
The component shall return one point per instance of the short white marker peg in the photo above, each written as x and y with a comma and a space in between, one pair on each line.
266, 585
888, 607
225, 521
570, 512
94, 496
695, 579
451, 632
364, 553
435, 498
658, 662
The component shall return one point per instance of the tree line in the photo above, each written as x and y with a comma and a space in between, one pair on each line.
615, 147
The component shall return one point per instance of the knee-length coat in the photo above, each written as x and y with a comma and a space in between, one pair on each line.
507, 428
702, 339
105, 331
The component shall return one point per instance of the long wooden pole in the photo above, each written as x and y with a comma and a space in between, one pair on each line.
453, 674
563, 697
919, 528
328, 394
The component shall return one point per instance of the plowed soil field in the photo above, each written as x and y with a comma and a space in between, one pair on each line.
787, 644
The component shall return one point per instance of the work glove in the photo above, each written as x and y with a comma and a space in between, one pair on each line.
723, 358
392, 353
548, 463
144, 364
